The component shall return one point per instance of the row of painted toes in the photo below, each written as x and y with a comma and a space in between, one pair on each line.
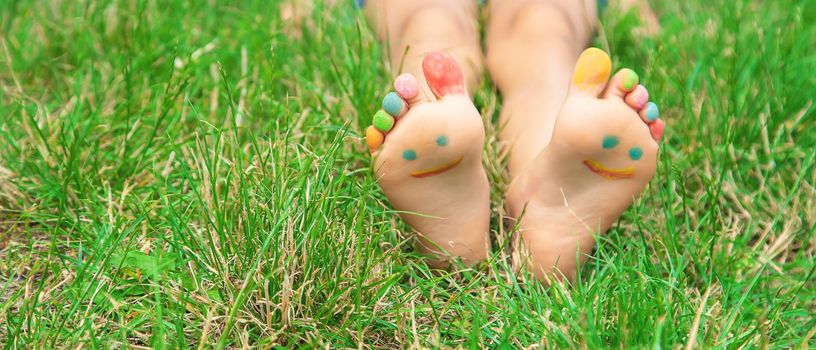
394, 106
637, 97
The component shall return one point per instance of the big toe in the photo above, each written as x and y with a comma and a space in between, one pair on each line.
591, 72
443, 73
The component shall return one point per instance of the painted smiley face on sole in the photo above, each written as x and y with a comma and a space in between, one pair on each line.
608, 173
438, 170
427, 159
602, 154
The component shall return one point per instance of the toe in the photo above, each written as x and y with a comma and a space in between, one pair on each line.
374, 138
656, 129
591, 71
407, 87
624, 81
443, 73
650, 113
394, 105
383, 121
637, 98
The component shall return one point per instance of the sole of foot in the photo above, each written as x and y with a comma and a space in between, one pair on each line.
602, 154
427, 152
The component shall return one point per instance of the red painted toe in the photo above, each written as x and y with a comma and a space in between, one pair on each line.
656, 128
443, 74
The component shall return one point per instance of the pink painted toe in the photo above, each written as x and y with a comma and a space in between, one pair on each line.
638, 98
443, 74
656, 128
406, 86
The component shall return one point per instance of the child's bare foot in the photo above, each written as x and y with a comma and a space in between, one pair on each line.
428, 161
602, 154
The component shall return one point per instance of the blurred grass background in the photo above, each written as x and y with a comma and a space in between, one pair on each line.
192, 174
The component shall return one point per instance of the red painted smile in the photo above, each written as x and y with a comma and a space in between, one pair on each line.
612, 174
437, 170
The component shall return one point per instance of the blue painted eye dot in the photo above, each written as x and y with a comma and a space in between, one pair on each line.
610, 142
409, 154
635, 153
442, 140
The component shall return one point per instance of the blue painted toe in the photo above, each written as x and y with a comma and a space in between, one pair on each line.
393, 104
652, 112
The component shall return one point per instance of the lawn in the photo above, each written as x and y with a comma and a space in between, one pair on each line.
192, 174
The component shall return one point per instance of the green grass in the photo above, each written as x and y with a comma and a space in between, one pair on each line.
185, 174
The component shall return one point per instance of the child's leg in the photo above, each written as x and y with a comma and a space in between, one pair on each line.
532, 46
415, 28
428, 138
581, 146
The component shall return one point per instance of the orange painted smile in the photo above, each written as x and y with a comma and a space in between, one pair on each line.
612, 174
437, 170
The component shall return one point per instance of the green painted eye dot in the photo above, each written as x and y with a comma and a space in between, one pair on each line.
409, 154
635, 153
442, 140
610, 142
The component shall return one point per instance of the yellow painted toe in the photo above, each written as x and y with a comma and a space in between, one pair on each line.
592, 69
